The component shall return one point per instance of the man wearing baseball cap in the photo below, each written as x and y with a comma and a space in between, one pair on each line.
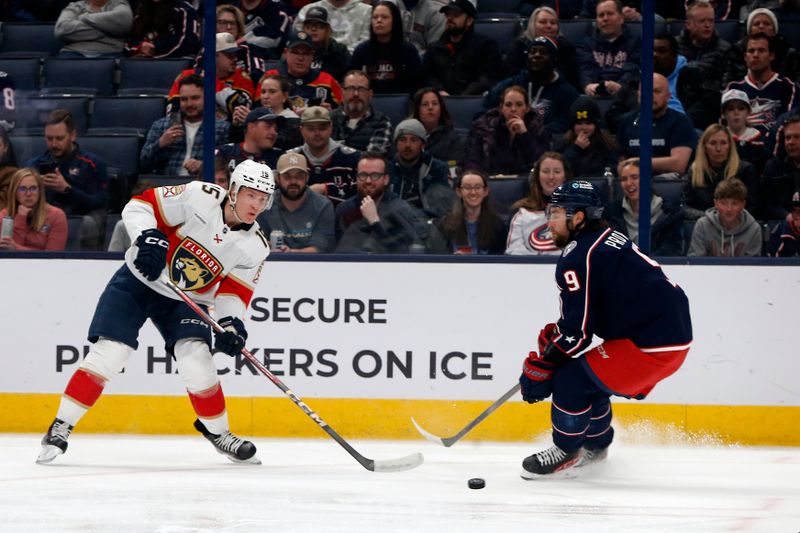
260, 133
785, 237
462, 61
332, 164
304, 217
310, 86
549, 92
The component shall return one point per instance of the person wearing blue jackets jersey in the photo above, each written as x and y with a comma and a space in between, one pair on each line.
609, 288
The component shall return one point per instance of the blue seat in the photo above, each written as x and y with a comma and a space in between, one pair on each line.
25, 72
149, 76
32, 113
120, 152
21, 39
505, 191
395, 106
464, 109
27, 147
125, 114
575, 30
791, 30
733, 30
500, 6
74, 225
111, 222
659, 26
503, 31
78, 76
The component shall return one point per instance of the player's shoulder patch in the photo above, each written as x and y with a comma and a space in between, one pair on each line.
568, 248
169, 191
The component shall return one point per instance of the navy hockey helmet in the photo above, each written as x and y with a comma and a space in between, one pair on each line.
578, 195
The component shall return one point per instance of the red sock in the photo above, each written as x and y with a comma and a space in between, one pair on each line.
210, 403
84, 388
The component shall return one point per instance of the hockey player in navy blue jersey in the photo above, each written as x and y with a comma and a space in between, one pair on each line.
608, 288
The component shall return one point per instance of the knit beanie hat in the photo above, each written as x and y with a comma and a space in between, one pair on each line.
761, 11
584, 108
410, 126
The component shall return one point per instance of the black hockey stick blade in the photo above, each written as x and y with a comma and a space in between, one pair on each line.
387, 465
449, 441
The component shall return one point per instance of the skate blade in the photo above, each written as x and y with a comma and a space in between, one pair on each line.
252, 461
568, 473
48, 453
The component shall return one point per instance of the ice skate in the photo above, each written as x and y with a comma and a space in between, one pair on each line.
54, 443
236, 449
549, 461
592, 456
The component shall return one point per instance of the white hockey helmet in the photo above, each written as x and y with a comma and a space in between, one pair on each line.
257, 176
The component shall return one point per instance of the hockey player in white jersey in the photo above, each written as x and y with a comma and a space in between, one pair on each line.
206, 240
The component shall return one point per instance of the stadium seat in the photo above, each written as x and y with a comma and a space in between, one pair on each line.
120, 152
27, 147
111, 221
791, 30
149, 76
25, 72
464, 109
503, 31
32, 113
74, 225
125, 114
575, 30
671, 190
659, 27
505, 191
602, 186
395, 106
78, 76
21, 39
733, 30
500, 6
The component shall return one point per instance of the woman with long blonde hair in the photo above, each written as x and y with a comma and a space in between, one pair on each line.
37, 224
716, 159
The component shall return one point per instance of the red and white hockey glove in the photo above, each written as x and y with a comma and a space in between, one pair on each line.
535, 378
546, 335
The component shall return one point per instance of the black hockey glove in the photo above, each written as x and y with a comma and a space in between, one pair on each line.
152, 256
536, 378
231, 341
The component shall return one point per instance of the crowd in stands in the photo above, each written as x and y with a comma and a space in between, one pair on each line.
407, 126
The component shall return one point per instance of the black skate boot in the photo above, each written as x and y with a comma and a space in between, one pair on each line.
592, 456
549, 461
236, 449
54, 443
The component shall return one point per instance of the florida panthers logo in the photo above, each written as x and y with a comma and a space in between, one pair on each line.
193, 268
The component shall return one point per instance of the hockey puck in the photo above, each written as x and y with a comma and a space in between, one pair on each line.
476, 483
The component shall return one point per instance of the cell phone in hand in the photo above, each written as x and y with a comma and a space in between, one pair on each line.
175, 119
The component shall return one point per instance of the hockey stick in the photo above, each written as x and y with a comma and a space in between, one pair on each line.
373, 465
449, 441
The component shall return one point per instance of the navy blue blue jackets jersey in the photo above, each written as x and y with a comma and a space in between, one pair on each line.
767, 103
337, 172
234, 153
87, 176
8, 107
609, 288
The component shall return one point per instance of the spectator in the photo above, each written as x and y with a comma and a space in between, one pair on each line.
6, 173
330, 55
333, 165
356, 123
550, 93
234, 87
415, 175
94, 28
349, 19
666, 214
784, 239
230, 19
749, 141
543, 22
727, 229
705, 53
669, 63
304, 217
261, 133
8, 109
590, 149
529, 233
782, 173
274, 91
784, 60
164, 28
472, 226
375, 220
428, 106
7, 157
611, 56
391, 63
462, 61
716, 160
309, 86
266, 26
770, 94
174, 144
673, 136
423, 22
76, 181
508, 138
37, 224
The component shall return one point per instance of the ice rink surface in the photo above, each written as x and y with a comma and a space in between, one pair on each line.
180, 485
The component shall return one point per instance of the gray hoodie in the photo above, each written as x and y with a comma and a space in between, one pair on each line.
709, 238
90, 32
